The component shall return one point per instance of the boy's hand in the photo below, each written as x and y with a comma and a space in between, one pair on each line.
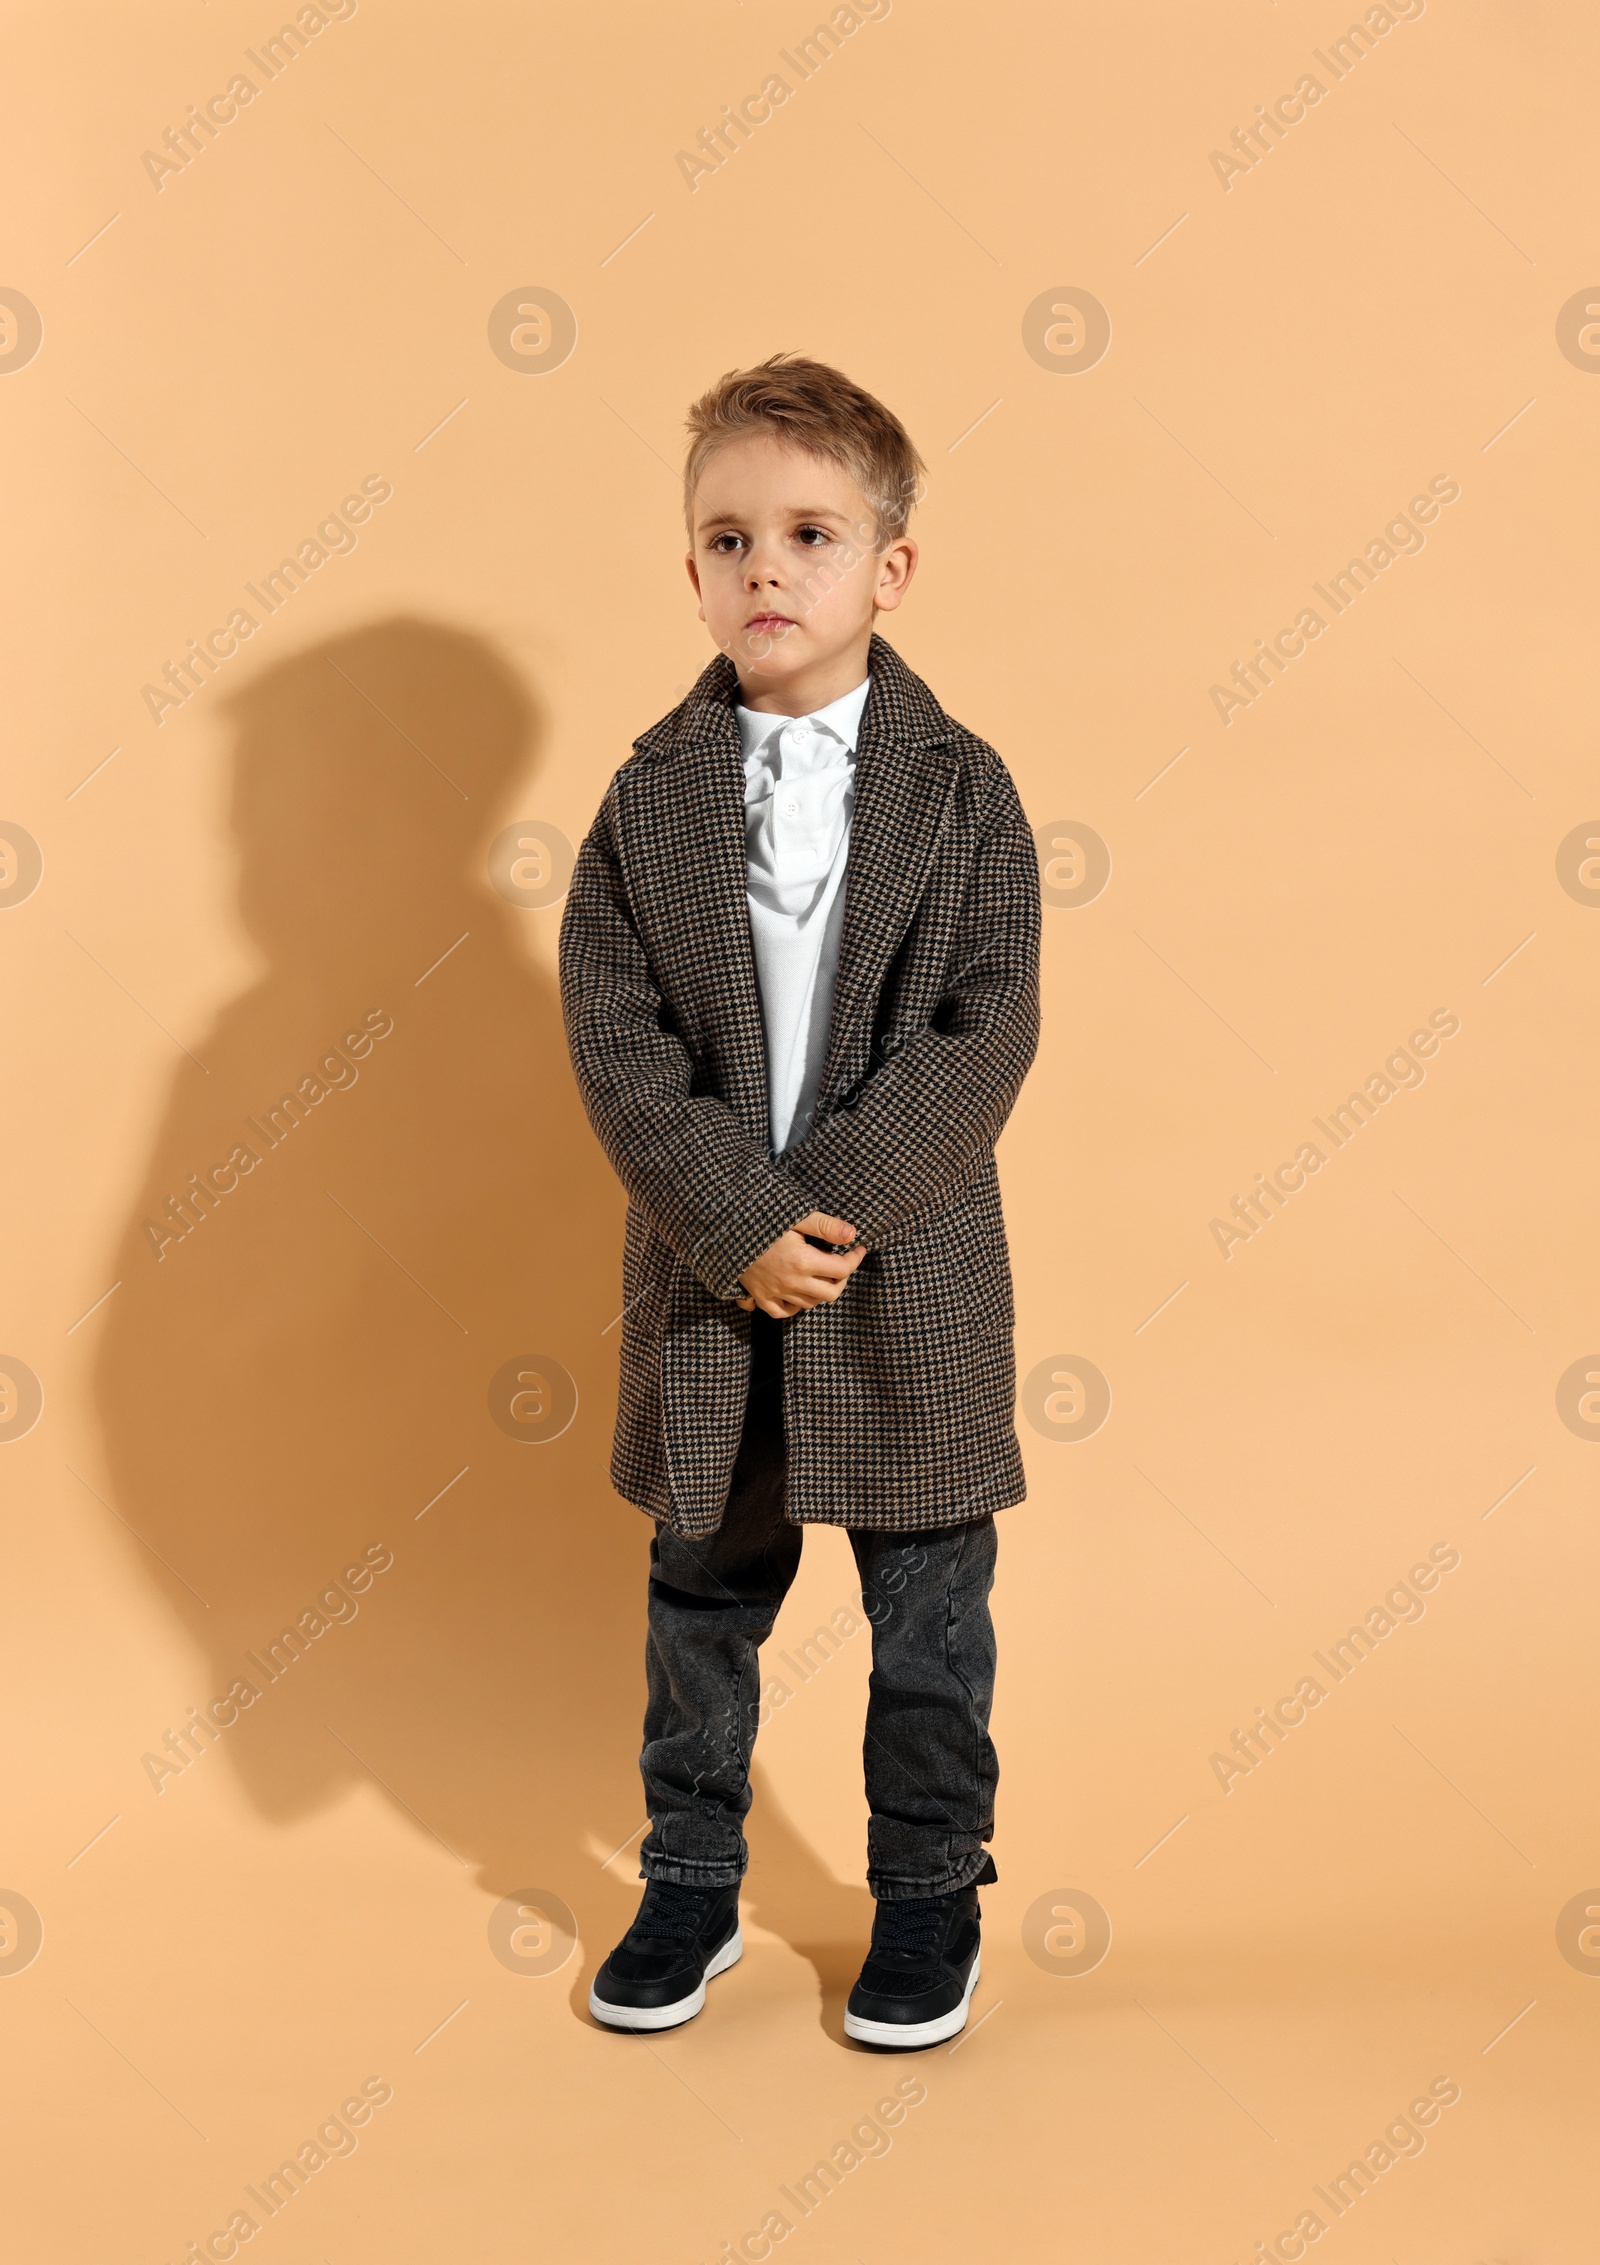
792, 1275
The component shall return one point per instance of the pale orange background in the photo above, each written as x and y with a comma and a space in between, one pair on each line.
1376, 1906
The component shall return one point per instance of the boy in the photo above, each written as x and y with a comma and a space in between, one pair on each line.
799, 1070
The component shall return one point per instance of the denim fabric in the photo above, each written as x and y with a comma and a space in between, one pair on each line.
929, 1763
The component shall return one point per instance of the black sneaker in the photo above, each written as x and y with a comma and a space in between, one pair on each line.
657, 1975
921, 1970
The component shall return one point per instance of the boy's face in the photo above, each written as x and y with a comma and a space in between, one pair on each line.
784, 566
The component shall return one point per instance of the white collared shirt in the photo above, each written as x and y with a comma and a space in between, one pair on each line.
799, 793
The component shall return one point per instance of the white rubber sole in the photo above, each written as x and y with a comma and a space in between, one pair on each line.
907, 2035
682, 2009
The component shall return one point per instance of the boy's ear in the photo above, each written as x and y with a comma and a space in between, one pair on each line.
896, 567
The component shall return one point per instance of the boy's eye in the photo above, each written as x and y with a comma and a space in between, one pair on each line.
721, 542
811, 536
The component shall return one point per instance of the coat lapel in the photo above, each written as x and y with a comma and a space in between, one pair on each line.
693, 800
905, 770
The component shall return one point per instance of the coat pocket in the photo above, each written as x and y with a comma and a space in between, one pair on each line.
955, 1269
988, 1281
648, 1263
977, 1232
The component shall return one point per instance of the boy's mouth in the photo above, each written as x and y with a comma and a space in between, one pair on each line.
768, 624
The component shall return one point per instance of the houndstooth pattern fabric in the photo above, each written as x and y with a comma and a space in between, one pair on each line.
899, 1397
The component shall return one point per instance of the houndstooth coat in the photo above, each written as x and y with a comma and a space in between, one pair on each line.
898, 1398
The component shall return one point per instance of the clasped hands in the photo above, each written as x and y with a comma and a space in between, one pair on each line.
792, 1275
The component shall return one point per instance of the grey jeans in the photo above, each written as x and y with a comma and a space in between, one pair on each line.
930, 1764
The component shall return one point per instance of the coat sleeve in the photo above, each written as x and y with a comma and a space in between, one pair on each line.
901, 1145
707, 1188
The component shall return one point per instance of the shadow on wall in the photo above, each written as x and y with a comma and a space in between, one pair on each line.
287, 1382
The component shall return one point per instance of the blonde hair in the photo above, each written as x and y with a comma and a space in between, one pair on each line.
813, 407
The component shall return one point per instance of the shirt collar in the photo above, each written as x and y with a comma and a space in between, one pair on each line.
841, 717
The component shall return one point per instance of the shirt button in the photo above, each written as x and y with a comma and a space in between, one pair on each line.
792, 809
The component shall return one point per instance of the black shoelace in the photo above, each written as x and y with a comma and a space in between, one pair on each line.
913, 1930
672, 1913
